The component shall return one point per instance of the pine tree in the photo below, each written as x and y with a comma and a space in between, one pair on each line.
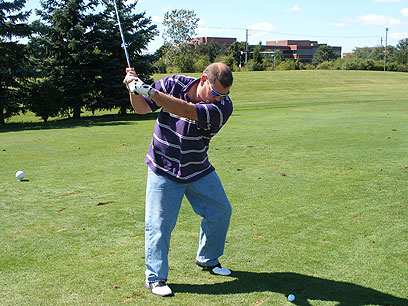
78, 50
68, 56
12, 59
138, 33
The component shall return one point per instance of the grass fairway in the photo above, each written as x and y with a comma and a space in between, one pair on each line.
315, 164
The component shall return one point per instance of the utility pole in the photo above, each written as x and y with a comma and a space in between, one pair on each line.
385, 53
246, 47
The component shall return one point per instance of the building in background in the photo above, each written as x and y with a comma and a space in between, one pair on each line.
302, 50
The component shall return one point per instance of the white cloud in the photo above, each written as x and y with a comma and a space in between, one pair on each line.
377, 20
340, 25
388, 1
404, 12
262, 26
294, 8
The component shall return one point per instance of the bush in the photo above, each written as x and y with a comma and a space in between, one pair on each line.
227, 60
201, 62
309, 67
397, 67
254, 66
160, 65
286, 65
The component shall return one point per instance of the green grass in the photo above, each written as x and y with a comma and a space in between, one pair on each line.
315, 165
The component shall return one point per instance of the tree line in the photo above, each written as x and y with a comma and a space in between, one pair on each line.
179, 54
193, 58
71, 59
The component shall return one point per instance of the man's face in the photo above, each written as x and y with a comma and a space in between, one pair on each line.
213, 92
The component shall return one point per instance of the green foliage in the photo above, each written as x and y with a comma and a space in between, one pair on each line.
376, 53
256, 55
138, 33
44, 99
184, 62
269, 61
79, 51
234, 51
212, 50
402, 47
12, 60
252, 65
228, 60
180, 27
324, 53
286, 65
201, 63
69, 58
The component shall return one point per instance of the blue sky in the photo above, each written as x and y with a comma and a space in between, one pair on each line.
345, 23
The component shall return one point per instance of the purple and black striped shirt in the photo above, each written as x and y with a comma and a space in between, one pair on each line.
179, 146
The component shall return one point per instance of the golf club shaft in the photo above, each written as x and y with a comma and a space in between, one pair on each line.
121, 34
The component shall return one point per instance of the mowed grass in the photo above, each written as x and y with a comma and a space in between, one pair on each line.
315, 164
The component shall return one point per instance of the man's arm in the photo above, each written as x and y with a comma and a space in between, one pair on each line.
169, 103
175, 106
139, 104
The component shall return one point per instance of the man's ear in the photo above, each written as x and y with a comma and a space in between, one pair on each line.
203, 79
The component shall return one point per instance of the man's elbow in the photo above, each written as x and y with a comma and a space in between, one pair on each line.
142, 111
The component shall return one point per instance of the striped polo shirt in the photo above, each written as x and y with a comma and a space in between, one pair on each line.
179, 146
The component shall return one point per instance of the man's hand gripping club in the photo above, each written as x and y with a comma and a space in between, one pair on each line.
136, 86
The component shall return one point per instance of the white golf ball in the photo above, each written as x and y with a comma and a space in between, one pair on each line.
19, 175
291, 297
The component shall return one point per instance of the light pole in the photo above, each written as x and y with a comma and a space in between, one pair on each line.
385, 53
246, 47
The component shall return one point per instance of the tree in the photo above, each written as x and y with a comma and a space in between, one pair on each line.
181, 26
402, 52
324, 53
81, 55
256, 63
180, 29
212, 49
376, 53
12, 59
138, 33
65, 36
403, 44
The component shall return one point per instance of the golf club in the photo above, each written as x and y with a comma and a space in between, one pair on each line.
121, 34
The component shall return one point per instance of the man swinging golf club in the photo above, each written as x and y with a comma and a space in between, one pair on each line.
192, 112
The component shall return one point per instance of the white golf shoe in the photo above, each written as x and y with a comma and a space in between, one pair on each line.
216, 270
159, 288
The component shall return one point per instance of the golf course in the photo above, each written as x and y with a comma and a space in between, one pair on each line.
314, 163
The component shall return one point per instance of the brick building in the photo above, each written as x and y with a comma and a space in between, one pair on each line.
304, 50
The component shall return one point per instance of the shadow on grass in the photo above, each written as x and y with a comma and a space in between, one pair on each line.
104, 120
302, 286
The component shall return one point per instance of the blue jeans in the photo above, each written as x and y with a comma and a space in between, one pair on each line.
163, 200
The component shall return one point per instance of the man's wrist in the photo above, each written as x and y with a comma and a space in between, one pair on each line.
151, 92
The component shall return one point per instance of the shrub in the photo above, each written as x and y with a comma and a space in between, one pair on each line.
254, 66
286, 65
